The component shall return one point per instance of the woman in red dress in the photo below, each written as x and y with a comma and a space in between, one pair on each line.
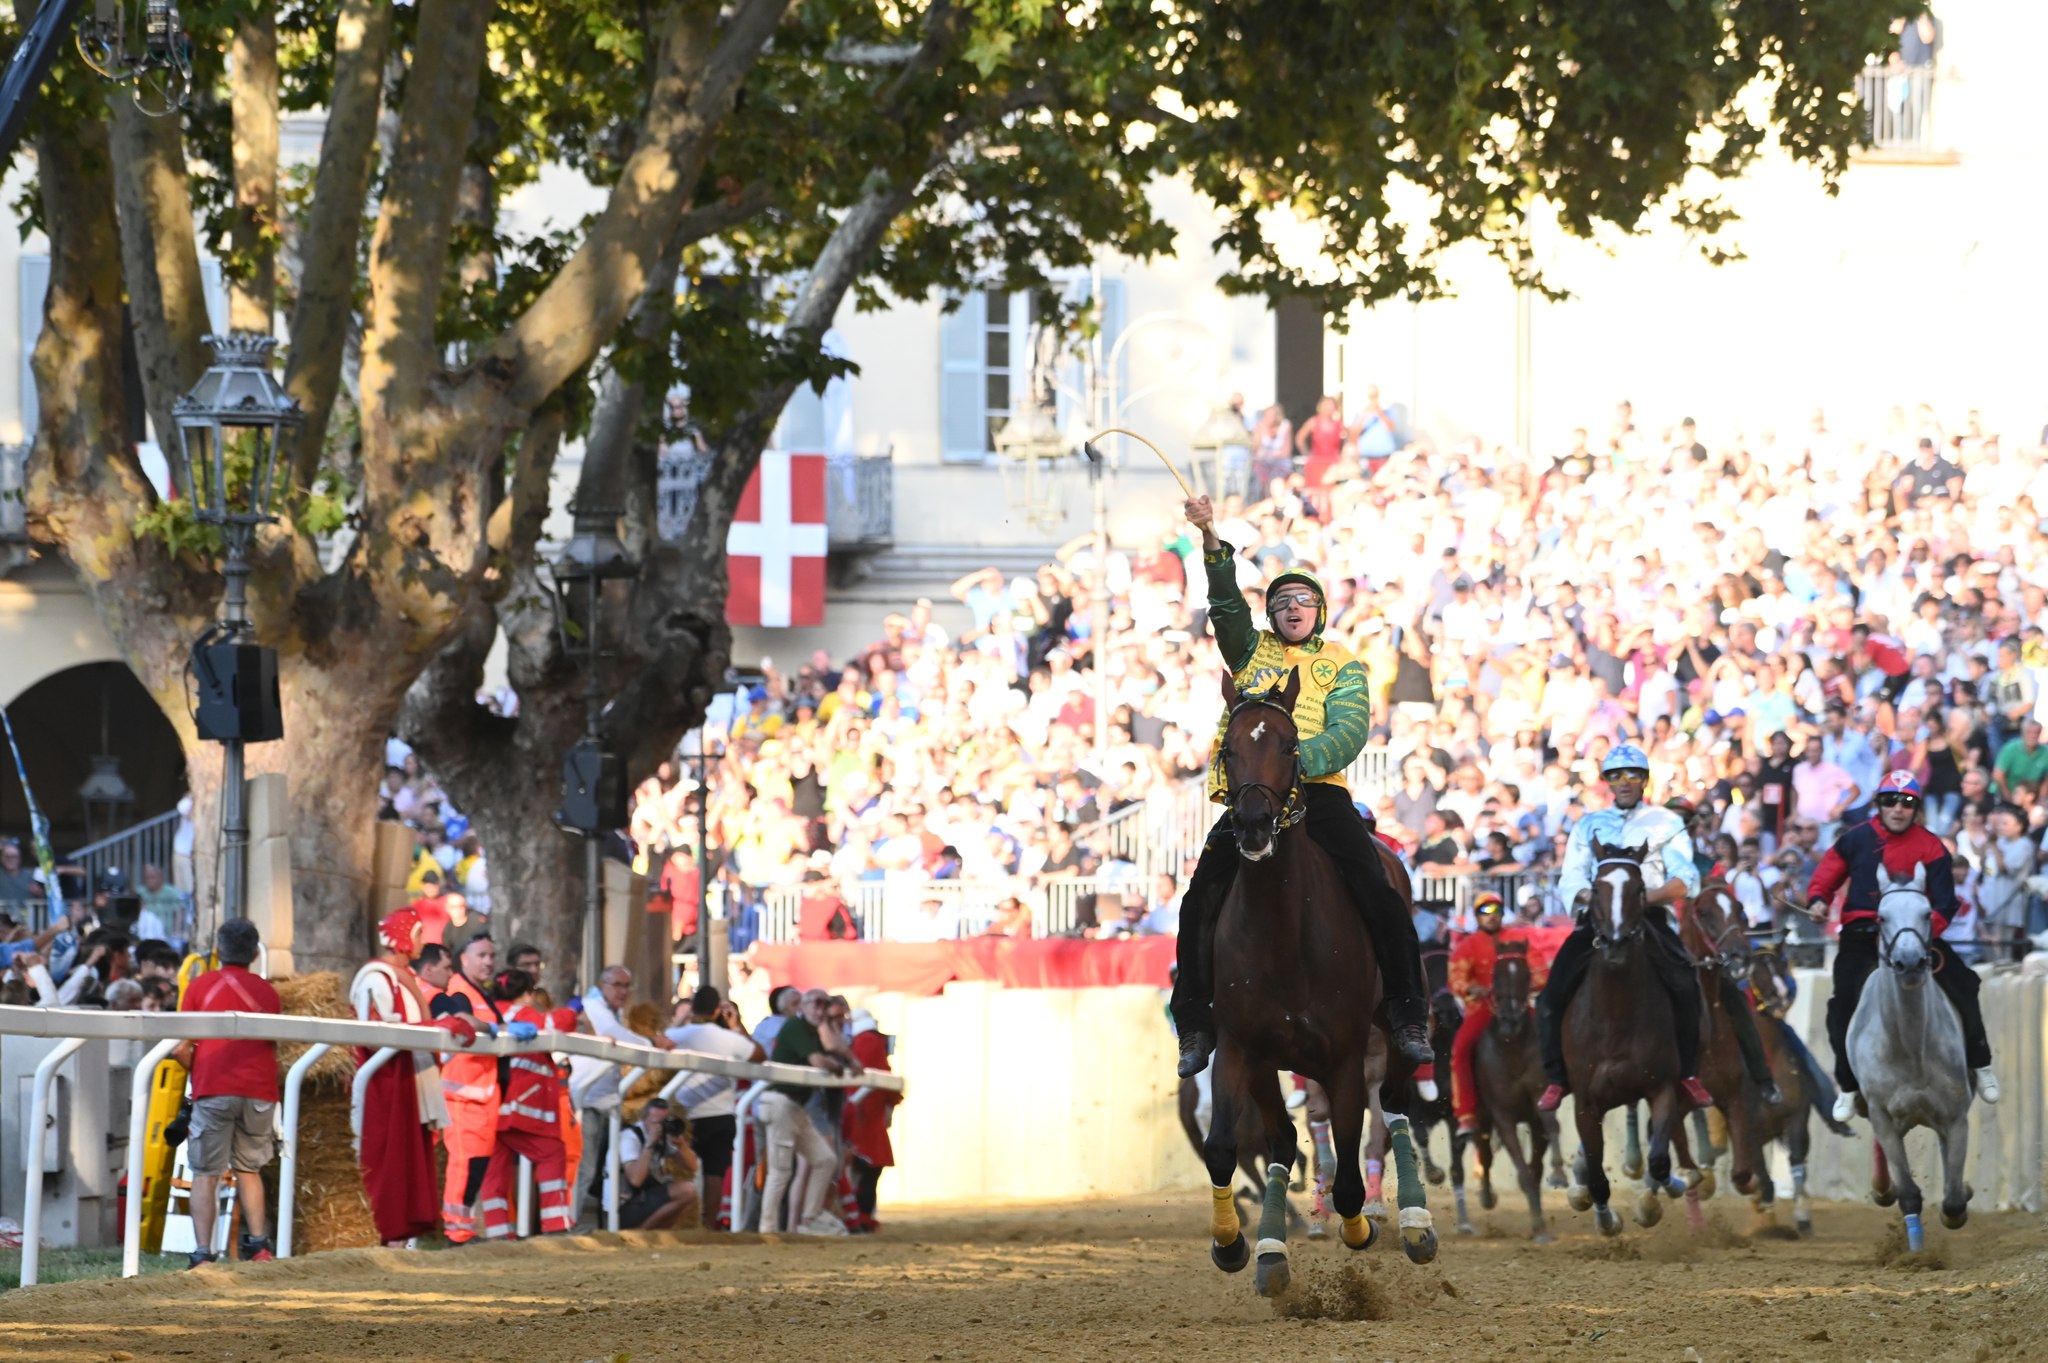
866, 1123
403, 1107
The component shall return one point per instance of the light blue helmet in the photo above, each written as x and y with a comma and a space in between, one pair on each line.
1624, 757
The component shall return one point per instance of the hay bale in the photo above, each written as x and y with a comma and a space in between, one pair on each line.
333, 1211
318, 995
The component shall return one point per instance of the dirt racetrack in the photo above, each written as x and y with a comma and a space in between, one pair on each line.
1103, 1280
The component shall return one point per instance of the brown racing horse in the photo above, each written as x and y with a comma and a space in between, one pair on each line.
1297, 989
1714, 933
1507, 1076
1619, 1044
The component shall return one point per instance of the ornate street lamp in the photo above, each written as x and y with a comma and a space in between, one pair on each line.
1221, 430
231, 427
1033, 454
105, 796
592, 579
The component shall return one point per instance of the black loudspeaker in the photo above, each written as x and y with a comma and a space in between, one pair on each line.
237, 686
593, 790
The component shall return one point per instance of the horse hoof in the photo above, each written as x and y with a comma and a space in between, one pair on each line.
1319, 1230
1632, 1168
1273, 1275
1434, 1175
1884, 1197
1607, 1221
1542, 1237
1706, 1183
1954, 1219
1419, 1244
1745, 1183
1467, 1228
1579, 1198
1804, 1224
1231, 1258
1376, 1210
1488, 1199
1370, 1231
1649, 1211
1558, 1180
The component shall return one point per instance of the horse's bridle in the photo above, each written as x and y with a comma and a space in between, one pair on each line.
1292, 810
1600, 937
1885, 944
1719, 953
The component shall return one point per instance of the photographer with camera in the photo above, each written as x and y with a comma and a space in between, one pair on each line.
649, 1151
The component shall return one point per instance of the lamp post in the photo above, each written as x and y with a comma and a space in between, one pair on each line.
594, 795
1221, 430
230, 429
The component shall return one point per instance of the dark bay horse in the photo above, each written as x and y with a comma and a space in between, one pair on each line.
1618, 1040
1507, 1076
1297, 989
1718, 938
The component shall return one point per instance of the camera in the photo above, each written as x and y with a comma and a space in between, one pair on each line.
672, 1127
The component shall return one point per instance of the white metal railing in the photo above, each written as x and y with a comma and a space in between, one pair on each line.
888, 910
383, 1039
13, 492
1166, 831
1898, 103
144, 844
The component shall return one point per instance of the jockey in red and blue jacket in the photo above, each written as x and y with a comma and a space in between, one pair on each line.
1895, 840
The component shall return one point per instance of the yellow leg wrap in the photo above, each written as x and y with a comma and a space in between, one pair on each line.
1222, 1216
1356, 1230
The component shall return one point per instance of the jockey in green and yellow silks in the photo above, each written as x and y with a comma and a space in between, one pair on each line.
1333, 714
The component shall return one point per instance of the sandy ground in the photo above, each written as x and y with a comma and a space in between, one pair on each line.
1102, 1280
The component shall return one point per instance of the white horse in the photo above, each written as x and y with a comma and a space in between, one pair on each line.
1906, 1047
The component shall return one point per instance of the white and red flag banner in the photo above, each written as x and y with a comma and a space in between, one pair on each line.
775, 551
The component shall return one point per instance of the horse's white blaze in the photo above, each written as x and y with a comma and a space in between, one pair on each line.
1258, 731
1617, 881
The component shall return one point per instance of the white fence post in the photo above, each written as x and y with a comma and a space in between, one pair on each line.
138, 1171
617, 1119
288, 1162
38, 1119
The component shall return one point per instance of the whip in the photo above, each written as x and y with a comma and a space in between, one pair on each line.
1088, 447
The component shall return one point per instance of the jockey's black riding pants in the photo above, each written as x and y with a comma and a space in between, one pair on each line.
1673, 969
1856, 957
1334, 822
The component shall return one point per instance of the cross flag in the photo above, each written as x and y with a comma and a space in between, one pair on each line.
775, 551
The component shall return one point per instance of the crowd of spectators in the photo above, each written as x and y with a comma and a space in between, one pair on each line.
1777, 617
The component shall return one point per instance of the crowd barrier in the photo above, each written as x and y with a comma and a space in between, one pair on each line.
165, 1030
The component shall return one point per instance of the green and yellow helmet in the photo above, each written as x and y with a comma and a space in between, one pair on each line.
1296, 577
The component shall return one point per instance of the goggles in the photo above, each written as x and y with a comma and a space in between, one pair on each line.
1893, 800
1304, 599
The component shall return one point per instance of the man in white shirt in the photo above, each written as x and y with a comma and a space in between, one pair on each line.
596, 1080
711, 1026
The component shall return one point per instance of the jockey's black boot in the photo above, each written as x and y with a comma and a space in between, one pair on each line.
1195, 1049
1194, 980
1410, 1019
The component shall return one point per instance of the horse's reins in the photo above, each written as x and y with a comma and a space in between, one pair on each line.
1885, 944
1600, 937
1292, 810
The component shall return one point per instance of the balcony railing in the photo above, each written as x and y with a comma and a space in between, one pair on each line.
13, 492
860, 496
1898, 103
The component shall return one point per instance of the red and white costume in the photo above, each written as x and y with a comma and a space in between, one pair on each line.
1471, 981
529, 1124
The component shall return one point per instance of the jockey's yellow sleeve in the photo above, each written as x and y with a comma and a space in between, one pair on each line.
1332, 713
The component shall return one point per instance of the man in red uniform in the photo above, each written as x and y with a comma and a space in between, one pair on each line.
1895, 840
1471, 979
529, 1120
470, 1084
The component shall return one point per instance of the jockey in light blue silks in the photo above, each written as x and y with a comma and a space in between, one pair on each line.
1669, 874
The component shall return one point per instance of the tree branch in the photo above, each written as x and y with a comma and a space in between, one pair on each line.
252, 299
585, 303
159, 251
325, 312
409, 250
